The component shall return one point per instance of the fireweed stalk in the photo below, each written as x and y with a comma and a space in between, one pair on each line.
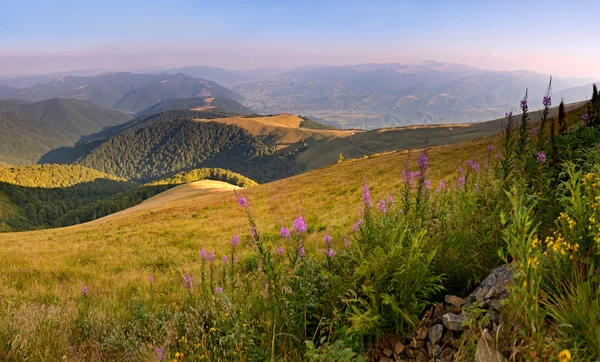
523, 131
507, 158
547, 102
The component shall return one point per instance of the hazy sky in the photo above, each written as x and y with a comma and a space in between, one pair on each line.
545, 36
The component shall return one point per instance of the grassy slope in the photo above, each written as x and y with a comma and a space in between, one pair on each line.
326, 152
285, 125
116, 254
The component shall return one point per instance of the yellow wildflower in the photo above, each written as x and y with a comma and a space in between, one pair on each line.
564, 356
213, 329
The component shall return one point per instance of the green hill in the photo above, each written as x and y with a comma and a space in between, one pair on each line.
157, 147
229, 105
30, 130
39, 195
24, 140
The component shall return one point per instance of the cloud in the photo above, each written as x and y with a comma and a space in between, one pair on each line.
493, 55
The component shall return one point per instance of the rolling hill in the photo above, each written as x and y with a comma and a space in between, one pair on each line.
125, 91
197, 103
158, 148
30, 130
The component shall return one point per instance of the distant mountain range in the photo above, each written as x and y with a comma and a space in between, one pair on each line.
29, 130
128, 92
383, 95
354, 96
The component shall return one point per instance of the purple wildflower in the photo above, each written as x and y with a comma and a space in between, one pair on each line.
150, 279
356, 225
159, 353
280, 250
533, 131
330, 253
235, 240
524, 104
203, 254
243, 202
547, 101
475, 167
382, 206
346, 242
327, 240
253, 232
461, 182
299, 225
541, 157
266, 290
366, 195
301, 251
585, 118
187, 282
423, 162
390, 199
442, 185
211, 256
509, 114
427, 184
498, 156
490, 148
285, 233
218, 290
84, 290
224, 259
459, 170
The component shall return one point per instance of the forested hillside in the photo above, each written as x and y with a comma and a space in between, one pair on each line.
29, 130
24, 140
43, 193
166, 147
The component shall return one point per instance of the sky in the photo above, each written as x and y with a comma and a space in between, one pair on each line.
48, 36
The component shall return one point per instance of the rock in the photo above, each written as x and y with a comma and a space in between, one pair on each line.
385, 359
410, 353
446, 353
453, 321
493, 316
495, 304
421, 333
435, 333
447, 337
494, 285
399, 348
388, 352
421, 356
454, 300
433, 351
486, 350
416, 344
456, 343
